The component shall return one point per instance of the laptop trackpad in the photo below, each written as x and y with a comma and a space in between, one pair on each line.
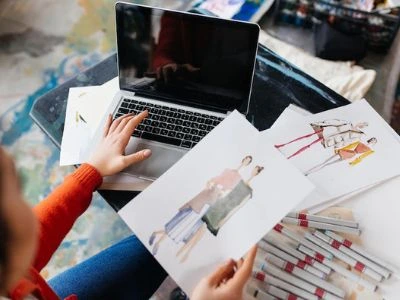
162, 158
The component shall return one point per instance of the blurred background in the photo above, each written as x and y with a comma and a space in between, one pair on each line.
43, 43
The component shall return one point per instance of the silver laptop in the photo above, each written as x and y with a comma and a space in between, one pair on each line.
189, 71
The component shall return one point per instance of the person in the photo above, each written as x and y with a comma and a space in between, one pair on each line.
218, 214
178, 228
28, 238
354, 153
333, 133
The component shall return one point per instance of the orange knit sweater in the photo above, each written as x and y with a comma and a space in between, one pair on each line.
57, 214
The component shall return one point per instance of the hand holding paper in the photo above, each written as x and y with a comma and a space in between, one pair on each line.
227, 281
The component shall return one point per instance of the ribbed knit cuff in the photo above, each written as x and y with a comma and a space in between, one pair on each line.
88, 176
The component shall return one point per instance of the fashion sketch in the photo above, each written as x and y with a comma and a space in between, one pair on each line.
333, 133
186, 221
219, 213
354, 153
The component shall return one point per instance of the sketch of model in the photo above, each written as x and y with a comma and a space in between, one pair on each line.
183, 224
354, 153
219, 213
332, 133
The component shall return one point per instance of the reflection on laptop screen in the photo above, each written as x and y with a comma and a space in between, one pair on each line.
186, 58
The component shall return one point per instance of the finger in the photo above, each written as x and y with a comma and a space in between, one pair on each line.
222, 272
116, 122
239, 263
136, 157
122, 124
243, 273
107, 125
133, 123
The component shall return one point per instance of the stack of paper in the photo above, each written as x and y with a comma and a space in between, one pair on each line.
237, 183
343, 151
86, 110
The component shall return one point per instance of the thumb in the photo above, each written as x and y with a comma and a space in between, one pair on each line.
244, 272
137, 157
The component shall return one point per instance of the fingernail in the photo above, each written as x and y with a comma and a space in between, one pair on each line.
147, 153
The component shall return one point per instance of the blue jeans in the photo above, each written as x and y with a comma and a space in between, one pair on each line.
126, 270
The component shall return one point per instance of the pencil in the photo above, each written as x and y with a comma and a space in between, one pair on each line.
339, 269
301, 256
268, 291
324, 288
339, 246
320, 225
272, 280
294, 236
297, 262
344, 257
360, 250
322, 219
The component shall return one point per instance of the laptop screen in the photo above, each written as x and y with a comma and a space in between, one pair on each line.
190, 59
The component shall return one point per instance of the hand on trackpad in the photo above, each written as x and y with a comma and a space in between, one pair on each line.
161, 159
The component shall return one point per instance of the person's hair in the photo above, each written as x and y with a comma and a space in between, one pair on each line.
259, 169
4, 233
248, 157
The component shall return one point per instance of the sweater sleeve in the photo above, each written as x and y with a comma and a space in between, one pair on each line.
58, 212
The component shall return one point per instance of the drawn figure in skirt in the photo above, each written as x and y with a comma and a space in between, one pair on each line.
218, 214
181, 225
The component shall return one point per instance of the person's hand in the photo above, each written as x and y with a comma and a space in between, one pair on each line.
171, 71
109, 157
227, 282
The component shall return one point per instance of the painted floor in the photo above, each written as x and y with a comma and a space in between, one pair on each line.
42, 44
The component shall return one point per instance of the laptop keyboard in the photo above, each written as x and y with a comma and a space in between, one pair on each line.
169, 125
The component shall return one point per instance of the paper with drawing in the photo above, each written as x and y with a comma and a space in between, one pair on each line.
340, 151
216, 202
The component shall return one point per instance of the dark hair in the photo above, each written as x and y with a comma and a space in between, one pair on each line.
4, 234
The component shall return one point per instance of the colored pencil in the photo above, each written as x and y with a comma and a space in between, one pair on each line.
339, 246
283, 255
325, 288
344, 257
268, 291
322, 219
339, 269
320, 225
360, 250
294, 236
272, 280
301, 256
296, 281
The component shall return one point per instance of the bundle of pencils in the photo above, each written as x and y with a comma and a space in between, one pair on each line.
301, 270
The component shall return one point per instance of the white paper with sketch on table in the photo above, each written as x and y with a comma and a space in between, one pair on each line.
216, 202
79, 128
348, 148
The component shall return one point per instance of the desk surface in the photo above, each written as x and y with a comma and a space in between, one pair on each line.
277, 84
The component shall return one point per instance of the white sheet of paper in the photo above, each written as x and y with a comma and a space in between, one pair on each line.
340, 178
276, 190
223, 8
77, 133
77, 139
97, 102
377, 211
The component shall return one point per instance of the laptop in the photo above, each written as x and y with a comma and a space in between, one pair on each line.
188, 70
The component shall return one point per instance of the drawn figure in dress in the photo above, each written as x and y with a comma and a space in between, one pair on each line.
332, 133
354, 153
181, 225
219, 213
